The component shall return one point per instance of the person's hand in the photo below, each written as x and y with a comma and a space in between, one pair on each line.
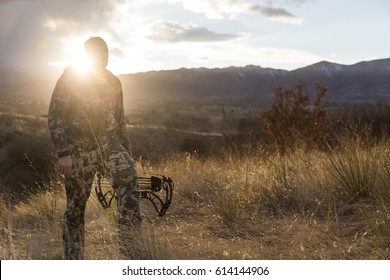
64, 165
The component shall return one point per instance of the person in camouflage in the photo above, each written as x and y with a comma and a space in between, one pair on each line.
88, 130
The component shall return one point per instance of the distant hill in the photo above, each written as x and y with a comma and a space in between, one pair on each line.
364, 82
26, 85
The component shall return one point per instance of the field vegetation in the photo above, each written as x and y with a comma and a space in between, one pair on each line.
300, 180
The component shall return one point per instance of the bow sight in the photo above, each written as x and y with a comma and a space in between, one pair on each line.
157, 189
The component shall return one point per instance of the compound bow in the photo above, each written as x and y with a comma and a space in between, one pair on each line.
157, 189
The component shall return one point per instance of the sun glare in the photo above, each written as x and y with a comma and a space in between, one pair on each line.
74, 55
81, 63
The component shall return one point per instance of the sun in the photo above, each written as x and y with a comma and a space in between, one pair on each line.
81, 62
74, 55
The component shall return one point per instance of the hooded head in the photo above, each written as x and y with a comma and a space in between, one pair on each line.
97, 51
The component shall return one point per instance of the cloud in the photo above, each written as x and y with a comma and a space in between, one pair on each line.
176, 32
36, 28
276, 14
36, 32
217, 9
117, 52
272, 2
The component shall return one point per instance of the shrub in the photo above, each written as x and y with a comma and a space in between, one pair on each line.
296, 120
355, 169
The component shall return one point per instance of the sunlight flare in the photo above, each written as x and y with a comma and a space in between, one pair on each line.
76, 56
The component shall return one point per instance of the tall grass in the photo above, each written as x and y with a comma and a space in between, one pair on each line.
356, 171
302, 204
377, 223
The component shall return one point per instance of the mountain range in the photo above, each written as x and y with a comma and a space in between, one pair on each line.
363, 82
360, 83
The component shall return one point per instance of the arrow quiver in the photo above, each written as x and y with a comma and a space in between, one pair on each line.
157, 189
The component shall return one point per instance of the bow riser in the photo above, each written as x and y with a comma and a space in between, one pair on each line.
149, 188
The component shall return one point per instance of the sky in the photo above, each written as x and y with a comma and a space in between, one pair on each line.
147, 35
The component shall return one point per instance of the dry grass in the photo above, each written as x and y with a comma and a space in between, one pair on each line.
258, 206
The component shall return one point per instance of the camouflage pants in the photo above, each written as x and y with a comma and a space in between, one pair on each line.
120, 169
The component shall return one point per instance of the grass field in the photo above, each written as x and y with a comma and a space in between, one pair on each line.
251, 204
299, 206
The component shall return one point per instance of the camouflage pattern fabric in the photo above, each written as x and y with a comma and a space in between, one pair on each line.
85, 107
86, 121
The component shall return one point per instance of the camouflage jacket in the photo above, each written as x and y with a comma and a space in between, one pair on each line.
87, 110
